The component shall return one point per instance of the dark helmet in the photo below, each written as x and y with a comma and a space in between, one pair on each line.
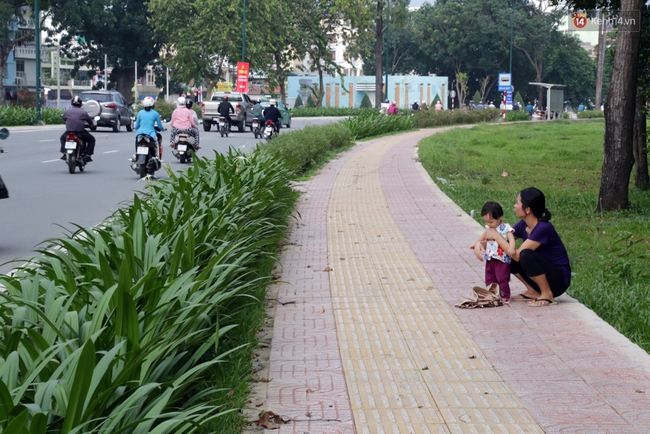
76, 101
225, 98
188, 103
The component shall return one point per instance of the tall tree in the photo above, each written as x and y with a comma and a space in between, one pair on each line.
16, 16
618, 154
618, 144
118, 29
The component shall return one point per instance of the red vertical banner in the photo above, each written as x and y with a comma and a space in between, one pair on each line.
242, 76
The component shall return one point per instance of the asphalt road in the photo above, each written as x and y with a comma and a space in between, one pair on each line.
45, 201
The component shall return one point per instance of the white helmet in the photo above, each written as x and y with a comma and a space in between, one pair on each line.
181, 100
148, 102
272, 102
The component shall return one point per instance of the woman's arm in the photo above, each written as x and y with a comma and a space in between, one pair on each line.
512, 243
479, 246
528, 244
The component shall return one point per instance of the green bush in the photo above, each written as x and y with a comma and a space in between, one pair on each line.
519, 99
477, 97
435, 100
371, 123
311, 103
298, 102
591, 114
517, 115
146, 322
165, 109
329, 111
301, 149
12, 116
429, 118
365, 102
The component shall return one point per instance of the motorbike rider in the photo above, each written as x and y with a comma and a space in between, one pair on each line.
147, 120
271, 113
258, 110
75, 119
224, 109
184, 118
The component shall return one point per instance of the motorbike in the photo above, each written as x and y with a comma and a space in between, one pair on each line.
145, 161
4, 193
269, 130
257, 128
75, 150
183, 144
224, 127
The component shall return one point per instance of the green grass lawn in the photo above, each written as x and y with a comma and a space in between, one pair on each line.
608, 252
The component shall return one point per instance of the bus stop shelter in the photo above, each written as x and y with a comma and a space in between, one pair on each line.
554, 99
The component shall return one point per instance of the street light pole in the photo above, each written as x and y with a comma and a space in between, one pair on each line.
512, 33
37, 42
243, 37
387, 43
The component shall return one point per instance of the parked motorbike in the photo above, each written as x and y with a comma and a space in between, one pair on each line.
183, 144
224, 127
4, 193
257, 128
75, 150
269, 130
145, 162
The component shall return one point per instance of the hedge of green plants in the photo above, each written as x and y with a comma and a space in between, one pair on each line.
591, 114
144, 324
372, 123
301, 112
517, 115
431, 118
12, 116
300, 150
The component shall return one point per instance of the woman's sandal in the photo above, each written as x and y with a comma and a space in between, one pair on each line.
546, 302
522, 297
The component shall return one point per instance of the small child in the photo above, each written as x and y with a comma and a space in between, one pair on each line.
497, 260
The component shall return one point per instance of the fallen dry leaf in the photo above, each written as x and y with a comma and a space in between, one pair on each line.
472, 357
259, 404
342, 259
270, 420
505, 174
429, 288
640, 391
321, 311
426, 368
410, 280
231, 393
310, 391
327, 269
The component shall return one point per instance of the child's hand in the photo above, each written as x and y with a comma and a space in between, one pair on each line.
479, 250
512, 251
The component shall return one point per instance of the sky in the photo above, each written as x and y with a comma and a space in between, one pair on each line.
415, 3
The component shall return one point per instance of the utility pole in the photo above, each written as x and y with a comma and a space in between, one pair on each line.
387, 44
58, 75
243, 36
37, 42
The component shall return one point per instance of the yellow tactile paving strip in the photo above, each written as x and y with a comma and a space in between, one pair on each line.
410, 366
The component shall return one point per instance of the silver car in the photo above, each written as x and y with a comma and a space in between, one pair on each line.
111, 107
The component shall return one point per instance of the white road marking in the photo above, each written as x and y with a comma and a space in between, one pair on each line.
50, 161
48, 140
111, 152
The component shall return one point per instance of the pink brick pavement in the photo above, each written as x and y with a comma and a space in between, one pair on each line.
573, 372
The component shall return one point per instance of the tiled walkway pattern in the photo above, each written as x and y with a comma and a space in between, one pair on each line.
366, 339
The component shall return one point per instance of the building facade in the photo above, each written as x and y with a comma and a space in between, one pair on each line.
348, 91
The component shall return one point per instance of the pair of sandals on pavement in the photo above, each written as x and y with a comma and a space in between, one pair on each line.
523, 297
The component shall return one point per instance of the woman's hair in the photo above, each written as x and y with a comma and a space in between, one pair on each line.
493, 209
534, 199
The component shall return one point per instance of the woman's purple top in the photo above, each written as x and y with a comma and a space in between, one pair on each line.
551, 247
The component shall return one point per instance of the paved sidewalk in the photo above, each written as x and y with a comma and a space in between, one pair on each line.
366, 338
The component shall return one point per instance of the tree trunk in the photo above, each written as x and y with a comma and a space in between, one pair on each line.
124, 80
602, 42
618, 157
641, 178
379, 47
5, 48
